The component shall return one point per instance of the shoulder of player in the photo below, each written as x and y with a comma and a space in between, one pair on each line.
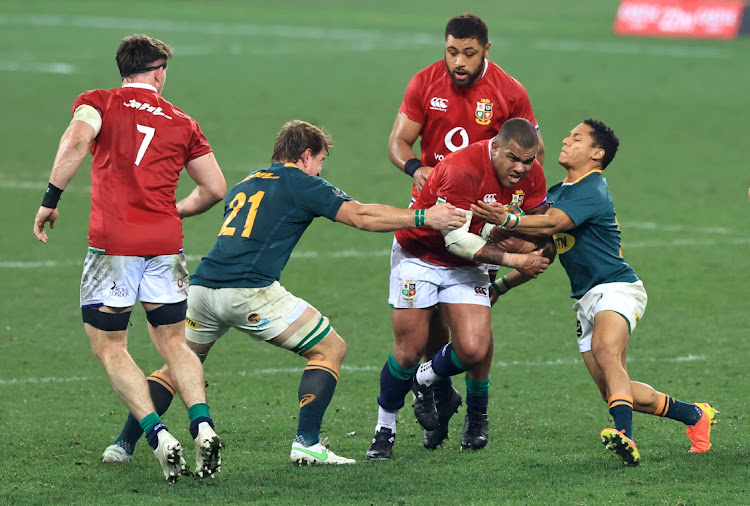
496, 74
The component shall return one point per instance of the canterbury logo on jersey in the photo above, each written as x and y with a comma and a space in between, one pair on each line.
439, 104
156, 111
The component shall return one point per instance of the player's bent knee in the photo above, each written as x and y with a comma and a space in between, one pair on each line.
107, 322
332, 348
308, 335
167, 314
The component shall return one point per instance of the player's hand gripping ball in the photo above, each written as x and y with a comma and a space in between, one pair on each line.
510, 241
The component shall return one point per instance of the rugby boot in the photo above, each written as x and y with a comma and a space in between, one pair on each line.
476, 430
424, 406
382, 444
446, 408
316, 454
622, 445
700, 433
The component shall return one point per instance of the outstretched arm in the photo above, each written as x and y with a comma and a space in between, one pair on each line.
469, 246
74, 145
382, 218
212, 186
553, 221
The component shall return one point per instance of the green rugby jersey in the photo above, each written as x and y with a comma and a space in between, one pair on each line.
264, 217
591, 253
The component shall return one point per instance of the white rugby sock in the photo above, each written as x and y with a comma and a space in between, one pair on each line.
425, 375
386, 419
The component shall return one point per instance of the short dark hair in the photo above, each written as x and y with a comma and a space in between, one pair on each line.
467, 26
139, 52
604, 137
520, 130
295, 137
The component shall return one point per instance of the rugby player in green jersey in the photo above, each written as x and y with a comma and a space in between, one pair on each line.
610, 299
236, 285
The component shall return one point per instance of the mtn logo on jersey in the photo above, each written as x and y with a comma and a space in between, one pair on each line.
483, 114
439, 104
156, 111
563, 242
490, 197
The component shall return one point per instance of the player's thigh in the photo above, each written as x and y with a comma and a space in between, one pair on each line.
471, 329
165, 279
629, 300
202, 326
110, 280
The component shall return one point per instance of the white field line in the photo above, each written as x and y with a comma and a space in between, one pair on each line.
39, 67
383, 253
348, 368
354, 39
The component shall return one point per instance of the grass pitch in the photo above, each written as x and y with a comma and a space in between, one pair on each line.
242, 69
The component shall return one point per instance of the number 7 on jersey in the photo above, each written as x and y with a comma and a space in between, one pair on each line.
149, 134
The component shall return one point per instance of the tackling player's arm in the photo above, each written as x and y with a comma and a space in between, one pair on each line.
515, 277
401, 149
382, 218
212, 186
74, 145
469, 246
549, 223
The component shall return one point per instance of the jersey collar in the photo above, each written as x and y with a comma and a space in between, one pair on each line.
139, 85
486, 65
566, 181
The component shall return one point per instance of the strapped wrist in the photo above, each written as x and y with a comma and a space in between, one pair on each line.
419, 217
51, 196
503, 287
411, 166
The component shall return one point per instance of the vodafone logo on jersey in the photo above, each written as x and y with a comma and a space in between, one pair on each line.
439, 104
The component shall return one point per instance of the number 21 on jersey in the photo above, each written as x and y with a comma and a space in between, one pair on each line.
237, 203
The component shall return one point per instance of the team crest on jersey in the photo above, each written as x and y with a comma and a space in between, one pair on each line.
517, 199
409, 290
483, 114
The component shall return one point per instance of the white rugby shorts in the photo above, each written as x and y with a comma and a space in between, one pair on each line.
262, 313
116, 281
627, 299
415, 283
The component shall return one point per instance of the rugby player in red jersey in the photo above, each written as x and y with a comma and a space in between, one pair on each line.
449, 270
459, 100
140, 143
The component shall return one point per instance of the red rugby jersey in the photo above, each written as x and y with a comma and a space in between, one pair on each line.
461, 179
453, 117
143, 144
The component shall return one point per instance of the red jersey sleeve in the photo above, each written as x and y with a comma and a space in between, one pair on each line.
521, 107
98, 99
198, 143
412, 105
